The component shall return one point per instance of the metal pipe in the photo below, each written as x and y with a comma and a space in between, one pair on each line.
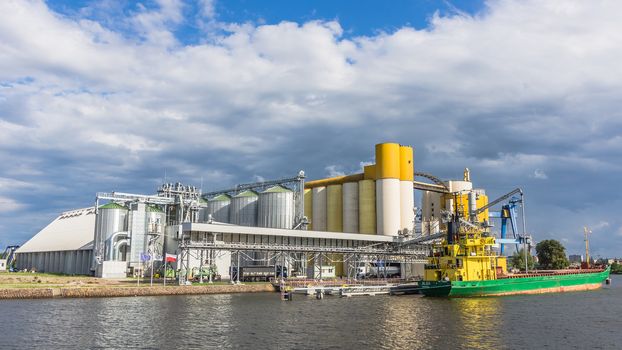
119, 244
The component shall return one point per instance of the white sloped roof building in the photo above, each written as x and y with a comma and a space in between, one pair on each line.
64, 246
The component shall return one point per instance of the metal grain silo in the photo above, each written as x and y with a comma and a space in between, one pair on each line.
243, 209
219, 208
334, 208
351, 207
367, 206
202, 215
111, 220
319, 208
276, 208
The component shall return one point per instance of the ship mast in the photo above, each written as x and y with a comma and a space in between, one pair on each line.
586, 231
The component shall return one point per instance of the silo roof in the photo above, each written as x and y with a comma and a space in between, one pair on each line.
277, 189
112, 205
247, 193
221, 197
71, 230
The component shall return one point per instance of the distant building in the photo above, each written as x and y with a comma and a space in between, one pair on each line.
575, 258
606, 261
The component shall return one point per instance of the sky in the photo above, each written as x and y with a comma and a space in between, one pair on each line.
122, 95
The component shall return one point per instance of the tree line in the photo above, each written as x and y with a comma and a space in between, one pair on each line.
551, 256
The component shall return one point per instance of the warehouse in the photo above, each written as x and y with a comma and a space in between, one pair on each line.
64, 246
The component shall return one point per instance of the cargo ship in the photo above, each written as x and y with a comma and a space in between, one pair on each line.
466, 264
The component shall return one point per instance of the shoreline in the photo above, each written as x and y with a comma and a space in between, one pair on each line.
129, 291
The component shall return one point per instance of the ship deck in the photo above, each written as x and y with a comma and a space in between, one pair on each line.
539, 273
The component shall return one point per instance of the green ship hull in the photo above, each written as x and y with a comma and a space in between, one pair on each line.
529, 284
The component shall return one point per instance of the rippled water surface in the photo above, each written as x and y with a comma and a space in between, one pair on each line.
579, 320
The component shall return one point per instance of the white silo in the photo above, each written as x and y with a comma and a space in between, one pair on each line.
219, 208
388, 189
243, 209
111, 223
276, 208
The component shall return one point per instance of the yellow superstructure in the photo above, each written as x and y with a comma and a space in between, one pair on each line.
462, 203
369, 172
470, 257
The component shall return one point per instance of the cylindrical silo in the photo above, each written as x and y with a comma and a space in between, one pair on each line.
309, 207
243, 209
155, 221
431, 205
276, 208
351, 207
367, 206
334, 208
407, 192
319, 208
218, 207
334, 221
111, 219
202, 215
388, 188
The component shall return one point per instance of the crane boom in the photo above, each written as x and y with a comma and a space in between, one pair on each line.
498, 200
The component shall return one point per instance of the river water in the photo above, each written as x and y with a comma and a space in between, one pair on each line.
577, 320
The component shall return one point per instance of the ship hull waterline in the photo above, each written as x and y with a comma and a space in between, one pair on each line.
519, 285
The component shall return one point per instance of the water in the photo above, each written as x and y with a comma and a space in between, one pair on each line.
579, 320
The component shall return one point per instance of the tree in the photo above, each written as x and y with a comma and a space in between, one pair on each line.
517, 260
551, 255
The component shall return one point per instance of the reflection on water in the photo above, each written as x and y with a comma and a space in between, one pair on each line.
257, 321
481, 321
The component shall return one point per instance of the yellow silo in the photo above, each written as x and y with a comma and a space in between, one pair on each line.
351, 207
319, 208
407, 192
388, 188
309, 207
367, 207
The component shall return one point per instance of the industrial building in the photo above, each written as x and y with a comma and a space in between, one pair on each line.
292, 226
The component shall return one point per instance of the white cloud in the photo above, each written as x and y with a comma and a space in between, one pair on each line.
599, 226
539, 174
9, 205
334, 170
